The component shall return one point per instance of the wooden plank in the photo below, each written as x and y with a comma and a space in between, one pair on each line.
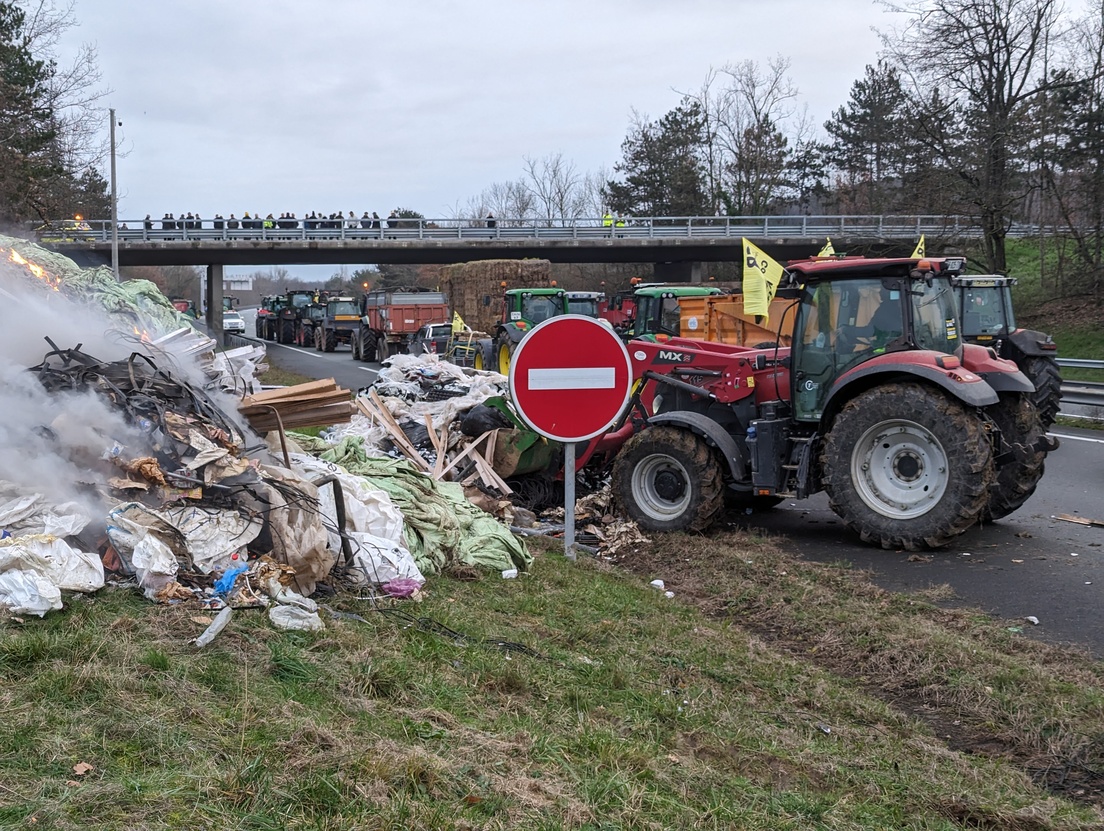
442, 457
268, 396
463, 454
384, 417
1080, 520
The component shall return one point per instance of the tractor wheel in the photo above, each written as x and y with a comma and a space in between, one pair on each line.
504, 352
1044, 374
1017, 479
287, 331
477, 361
354, 346
330, 340
668, 479
902, 483
383, 349
318, 339
368, 346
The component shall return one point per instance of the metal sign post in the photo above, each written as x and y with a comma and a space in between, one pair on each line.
570, 378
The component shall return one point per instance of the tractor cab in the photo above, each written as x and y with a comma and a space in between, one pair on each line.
658, 310
584, 303
985, 303
853, 313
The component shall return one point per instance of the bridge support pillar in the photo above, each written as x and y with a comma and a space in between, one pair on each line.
213, 314
680, 272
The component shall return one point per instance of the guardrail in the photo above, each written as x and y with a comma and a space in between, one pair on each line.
663, 227
1082, 399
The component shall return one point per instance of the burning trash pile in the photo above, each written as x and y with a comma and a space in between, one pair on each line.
124, 456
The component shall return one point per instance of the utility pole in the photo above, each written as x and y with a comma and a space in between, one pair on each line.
114, 205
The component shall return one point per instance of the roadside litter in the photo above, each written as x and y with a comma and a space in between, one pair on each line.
150, 468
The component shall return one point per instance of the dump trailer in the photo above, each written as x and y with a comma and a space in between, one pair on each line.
985, 303
914, 435
388, 319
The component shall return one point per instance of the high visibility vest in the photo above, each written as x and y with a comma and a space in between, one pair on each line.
607, 220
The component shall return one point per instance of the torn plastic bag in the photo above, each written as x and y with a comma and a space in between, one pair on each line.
373, 524
294, 617
377, 560
28, 593
30, 513
54, 559
295, 524
216, 538
149, 546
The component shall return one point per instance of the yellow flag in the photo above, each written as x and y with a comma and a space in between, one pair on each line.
457, 323
919, 251
827, 250
761, 278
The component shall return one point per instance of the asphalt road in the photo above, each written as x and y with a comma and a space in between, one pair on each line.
1027, 564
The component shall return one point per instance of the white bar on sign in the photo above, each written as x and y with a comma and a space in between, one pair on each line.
572, 378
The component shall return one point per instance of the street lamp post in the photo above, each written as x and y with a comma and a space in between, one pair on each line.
114, 205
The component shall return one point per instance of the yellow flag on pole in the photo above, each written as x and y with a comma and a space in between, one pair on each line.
761, 278
457, 323
827, 250
919, 251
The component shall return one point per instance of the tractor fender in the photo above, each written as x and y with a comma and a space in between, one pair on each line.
975, 393
1000, 373
511, 331
713, 433
1033, 344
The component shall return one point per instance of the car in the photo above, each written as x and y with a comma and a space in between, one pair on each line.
232, 323
432, 338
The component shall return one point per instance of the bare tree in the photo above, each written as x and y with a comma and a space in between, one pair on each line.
557, 187
973, 68
74, 93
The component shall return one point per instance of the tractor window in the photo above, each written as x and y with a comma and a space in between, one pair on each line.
343, 307
670, 315
934, 316
582, 306
841, 324
647, 310
537, 308
981, 310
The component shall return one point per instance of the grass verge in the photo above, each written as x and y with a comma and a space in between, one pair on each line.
767, 694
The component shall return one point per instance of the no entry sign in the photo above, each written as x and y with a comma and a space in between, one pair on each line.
570, 378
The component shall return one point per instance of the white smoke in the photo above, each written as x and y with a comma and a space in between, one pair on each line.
53, 442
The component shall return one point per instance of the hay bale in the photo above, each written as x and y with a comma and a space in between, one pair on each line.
475, 289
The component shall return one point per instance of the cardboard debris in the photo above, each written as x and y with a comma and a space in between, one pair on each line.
1080, 520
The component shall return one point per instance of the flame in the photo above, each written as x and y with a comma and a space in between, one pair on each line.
35, 269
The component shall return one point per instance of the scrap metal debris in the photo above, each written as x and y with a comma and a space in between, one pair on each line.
176, 489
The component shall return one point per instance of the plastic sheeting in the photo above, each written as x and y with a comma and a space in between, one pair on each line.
373, 524
442, 527
34, 569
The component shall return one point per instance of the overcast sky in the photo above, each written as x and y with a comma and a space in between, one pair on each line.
339, 105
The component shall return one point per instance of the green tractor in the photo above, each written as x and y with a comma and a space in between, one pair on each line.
985, 306
658, 312
522, 309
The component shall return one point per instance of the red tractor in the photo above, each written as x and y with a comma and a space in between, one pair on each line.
914, 435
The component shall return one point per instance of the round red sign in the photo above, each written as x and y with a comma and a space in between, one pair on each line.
570, 378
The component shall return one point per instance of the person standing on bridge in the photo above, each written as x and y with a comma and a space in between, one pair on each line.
490, 220
375, 220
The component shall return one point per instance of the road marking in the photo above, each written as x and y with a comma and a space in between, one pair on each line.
573, 378
366, 369
1075, 438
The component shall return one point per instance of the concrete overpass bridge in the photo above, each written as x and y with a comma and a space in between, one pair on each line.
676, 247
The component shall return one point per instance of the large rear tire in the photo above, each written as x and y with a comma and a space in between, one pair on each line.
287, 331
504, 352
1017, 479
329, 340
1043, 372
318, 339
906, 466
668, 479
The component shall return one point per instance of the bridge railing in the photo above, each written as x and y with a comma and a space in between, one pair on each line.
507, 229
